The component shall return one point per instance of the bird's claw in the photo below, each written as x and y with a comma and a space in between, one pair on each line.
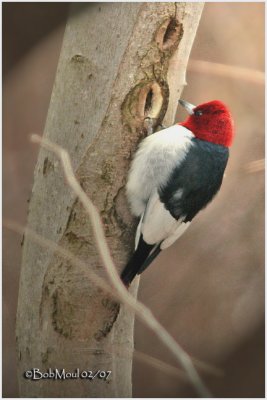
148, 124
160, 127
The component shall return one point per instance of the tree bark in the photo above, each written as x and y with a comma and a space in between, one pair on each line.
119, 63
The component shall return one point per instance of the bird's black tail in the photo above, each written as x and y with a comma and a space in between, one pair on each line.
140, 260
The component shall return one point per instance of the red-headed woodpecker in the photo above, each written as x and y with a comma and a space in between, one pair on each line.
174, 174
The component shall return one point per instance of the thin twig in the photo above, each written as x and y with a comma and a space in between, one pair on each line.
64, 253
100, 282
142, 311
167, 368
154, 361
144, 358
255, 166
229, 71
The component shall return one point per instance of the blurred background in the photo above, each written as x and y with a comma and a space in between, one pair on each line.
208, 288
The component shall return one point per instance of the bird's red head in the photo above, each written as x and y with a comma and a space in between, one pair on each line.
210, 121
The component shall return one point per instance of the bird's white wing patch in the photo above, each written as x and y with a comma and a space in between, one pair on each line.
180, 230
138, 232
157, 156
158, 225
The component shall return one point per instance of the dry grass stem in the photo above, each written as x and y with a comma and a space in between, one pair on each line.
229, 71
141, 311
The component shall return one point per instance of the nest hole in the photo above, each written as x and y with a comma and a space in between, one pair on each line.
150, 101
169, 34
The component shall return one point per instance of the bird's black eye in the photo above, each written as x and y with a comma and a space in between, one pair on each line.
198, 113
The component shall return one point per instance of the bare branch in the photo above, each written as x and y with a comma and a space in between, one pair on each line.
229, 71
64, 253
170, 369
255, 166
100, 282
141, 311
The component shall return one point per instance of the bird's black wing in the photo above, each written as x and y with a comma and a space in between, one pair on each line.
191, 186
194, 182
142, 257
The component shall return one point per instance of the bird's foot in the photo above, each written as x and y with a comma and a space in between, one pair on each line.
160, 127
149, 125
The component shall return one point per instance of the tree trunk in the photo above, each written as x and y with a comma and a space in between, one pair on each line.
119, 63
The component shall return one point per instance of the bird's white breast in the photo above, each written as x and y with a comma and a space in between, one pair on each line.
155, 159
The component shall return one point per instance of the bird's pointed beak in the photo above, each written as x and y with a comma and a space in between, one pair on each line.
189, 107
